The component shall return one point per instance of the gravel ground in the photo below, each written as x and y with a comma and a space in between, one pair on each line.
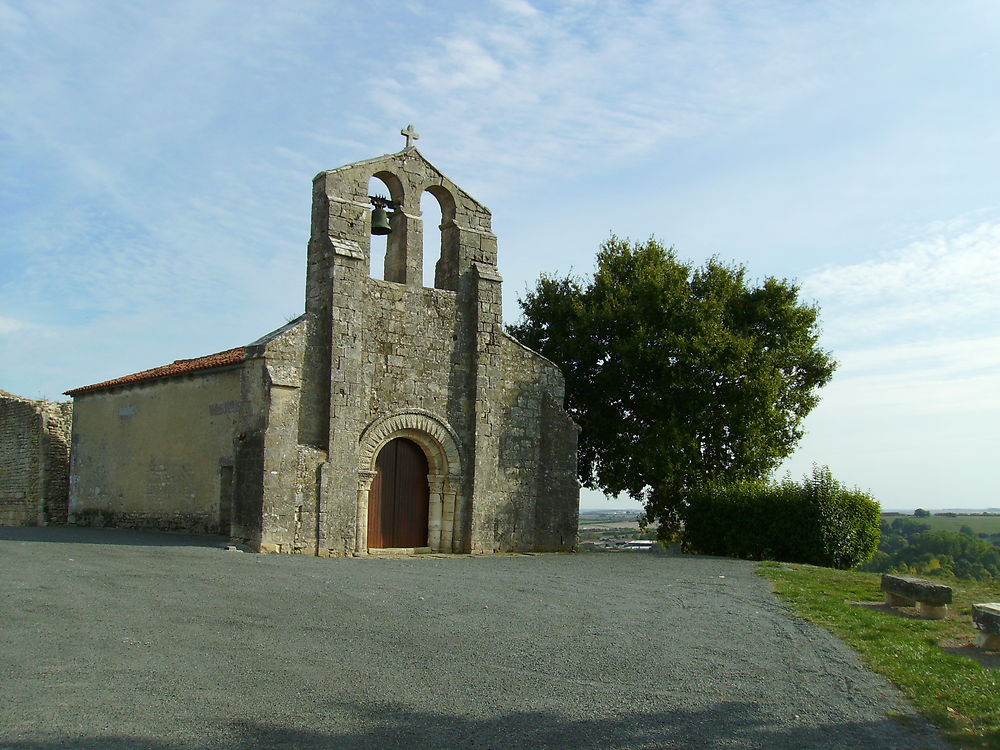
116, 639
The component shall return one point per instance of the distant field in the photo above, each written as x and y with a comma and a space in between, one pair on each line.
593, 525
979, 524
608, 519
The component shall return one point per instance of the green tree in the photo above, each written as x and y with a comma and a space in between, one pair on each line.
677, 375
909, 546
907, 527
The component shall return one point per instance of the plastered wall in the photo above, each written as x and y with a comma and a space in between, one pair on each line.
157, 454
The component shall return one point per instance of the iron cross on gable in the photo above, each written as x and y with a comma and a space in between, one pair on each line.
411, 135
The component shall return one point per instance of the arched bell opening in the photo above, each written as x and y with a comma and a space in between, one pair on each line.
430, 210
386, 228
440, 245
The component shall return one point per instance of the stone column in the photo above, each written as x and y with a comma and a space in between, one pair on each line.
434, 512
449, 497
361, 522
403, 248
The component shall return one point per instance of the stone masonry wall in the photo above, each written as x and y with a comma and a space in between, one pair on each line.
417, 351
34, 461
277, 485
412, 353
374, 350
57, 420
537, 443
387, 344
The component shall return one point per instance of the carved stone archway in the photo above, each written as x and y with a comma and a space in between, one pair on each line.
440, 444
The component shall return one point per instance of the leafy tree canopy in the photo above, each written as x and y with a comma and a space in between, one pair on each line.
913, 548
678, 375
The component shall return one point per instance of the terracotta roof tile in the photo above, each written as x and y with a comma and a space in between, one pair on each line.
177, 367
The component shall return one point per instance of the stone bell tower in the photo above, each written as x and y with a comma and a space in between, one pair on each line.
419, 364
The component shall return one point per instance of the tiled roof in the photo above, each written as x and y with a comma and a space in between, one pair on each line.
177, 367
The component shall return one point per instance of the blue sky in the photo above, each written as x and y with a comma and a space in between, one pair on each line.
156, 163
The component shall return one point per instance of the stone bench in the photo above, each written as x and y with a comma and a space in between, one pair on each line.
904, 591
986, 617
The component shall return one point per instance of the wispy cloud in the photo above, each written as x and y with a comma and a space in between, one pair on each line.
10, 325
518, 7
911, 412
944, 286
529, 85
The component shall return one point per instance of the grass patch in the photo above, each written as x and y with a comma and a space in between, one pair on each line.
953, 691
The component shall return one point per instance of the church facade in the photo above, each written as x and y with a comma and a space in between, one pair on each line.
391, 415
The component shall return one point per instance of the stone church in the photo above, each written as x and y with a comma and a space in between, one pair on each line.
395, 413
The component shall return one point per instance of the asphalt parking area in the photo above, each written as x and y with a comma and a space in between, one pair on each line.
117, 639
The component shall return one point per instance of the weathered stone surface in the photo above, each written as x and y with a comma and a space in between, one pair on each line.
307, 411
917, 589
434, 362
986, 617
34, 460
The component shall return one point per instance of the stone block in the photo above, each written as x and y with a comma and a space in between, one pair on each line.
986, 618
917, 589
932, 611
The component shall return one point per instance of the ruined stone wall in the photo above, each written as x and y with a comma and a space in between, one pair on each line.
20, 453
34, 460
155, 454
57, 428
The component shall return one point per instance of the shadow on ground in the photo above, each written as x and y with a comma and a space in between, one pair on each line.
79, 535
907, 613
968, 649
393, 726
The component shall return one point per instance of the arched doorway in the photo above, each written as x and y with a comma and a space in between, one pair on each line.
399, 498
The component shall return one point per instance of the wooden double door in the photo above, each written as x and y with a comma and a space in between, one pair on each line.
399, 497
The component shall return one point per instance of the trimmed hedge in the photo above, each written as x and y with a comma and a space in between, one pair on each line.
818, 521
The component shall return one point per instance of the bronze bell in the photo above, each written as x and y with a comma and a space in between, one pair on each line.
380, 221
